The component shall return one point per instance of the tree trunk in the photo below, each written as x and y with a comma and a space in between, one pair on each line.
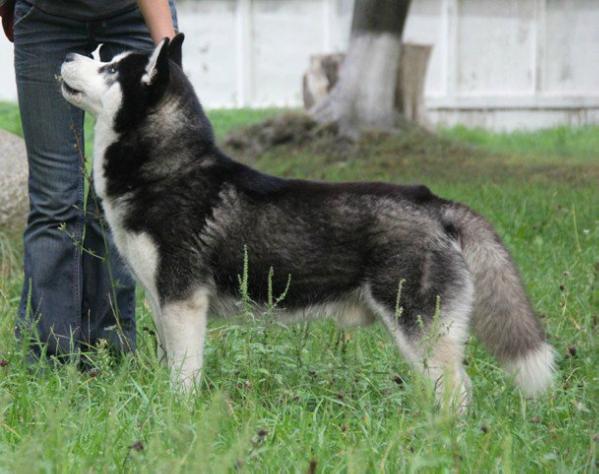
365, 95
323, 74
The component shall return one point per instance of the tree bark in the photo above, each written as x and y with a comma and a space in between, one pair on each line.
365, 95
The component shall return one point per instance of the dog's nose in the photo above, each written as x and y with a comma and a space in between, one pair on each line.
70, 57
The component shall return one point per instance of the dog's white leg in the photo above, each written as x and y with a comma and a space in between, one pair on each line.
439, 358
442, 364
437, 353
443, 351
184, 330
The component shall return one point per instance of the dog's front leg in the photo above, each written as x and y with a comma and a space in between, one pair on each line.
184, 329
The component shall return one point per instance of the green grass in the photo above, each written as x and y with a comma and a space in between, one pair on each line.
277, 399
577, 144
10, 119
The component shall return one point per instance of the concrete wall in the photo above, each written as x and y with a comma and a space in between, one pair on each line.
500, 64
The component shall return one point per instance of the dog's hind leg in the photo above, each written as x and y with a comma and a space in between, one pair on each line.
437, 352
431, 332
441, 362
184, 329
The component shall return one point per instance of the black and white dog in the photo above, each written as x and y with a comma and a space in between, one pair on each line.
198, 229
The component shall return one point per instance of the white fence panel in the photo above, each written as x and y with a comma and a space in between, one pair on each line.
211, 48
500, 64
495, 47
571, 44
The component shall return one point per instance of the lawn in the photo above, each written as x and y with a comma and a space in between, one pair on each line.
314, 398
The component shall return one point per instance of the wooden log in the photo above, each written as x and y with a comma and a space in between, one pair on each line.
321, 77
409, 99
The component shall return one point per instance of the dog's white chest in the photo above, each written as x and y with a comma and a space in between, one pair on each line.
137, 249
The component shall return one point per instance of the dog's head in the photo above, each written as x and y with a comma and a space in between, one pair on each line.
135, 78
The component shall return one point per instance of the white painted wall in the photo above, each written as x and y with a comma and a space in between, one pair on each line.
500, 64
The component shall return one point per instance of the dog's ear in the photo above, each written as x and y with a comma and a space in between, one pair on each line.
174, 49
103, 53
157, 67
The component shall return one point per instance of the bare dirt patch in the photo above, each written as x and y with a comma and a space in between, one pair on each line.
410, 151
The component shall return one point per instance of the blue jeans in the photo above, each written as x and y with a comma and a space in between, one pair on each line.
76, 288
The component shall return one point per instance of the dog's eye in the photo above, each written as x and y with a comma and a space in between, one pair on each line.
112, 69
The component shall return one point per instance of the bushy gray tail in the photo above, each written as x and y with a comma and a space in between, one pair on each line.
503, 318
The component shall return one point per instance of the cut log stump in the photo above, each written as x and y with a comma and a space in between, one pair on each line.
413, 65
321, 77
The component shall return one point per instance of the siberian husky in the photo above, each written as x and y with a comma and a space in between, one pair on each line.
200, 230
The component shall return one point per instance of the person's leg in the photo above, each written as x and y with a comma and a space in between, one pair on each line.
108, 287
105, 282
52, 289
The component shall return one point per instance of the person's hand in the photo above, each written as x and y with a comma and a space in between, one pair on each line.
7, 12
